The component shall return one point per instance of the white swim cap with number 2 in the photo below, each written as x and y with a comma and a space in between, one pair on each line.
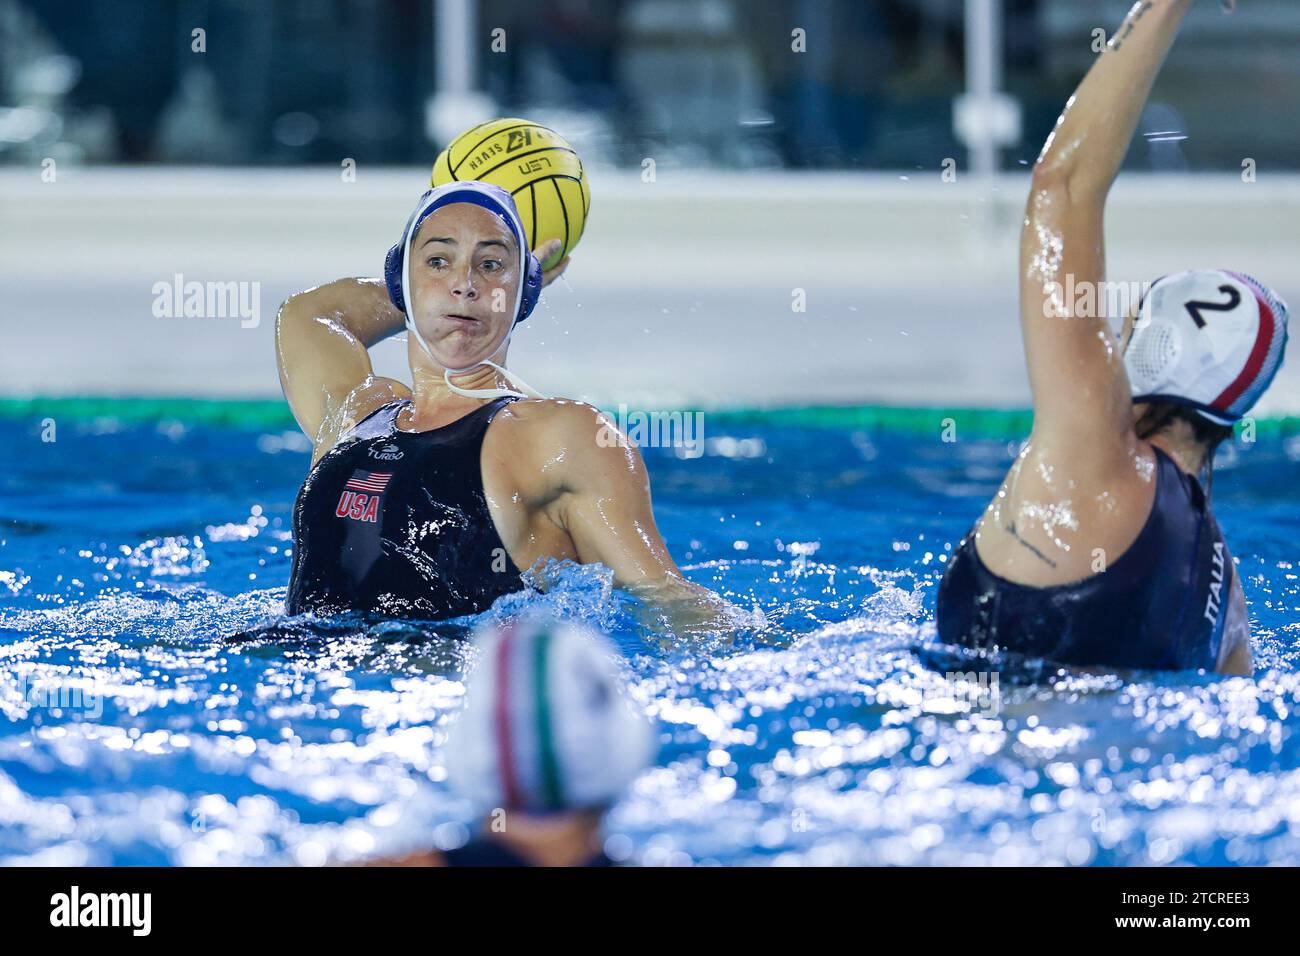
1211, 339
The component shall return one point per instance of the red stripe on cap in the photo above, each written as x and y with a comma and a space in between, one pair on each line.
1267, 323
505, 750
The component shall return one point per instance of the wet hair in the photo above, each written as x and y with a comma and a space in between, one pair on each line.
1160, 416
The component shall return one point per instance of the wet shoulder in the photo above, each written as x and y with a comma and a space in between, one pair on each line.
360, 406
549, 419
538, 441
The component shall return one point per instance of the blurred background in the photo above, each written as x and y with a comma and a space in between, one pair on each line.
695, 82
143, 139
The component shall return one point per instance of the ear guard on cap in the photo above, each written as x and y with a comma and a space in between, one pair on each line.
393, 276
532, 282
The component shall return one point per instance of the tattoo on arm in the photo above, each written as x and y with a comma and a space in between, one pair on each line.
1011, 530
1138, 14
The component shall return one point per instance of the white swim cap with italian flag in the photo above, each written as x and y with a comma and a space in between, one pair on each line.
548, 725
1211, 339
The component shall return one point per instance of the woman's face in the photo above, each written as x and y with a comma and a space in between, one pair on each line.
464, 277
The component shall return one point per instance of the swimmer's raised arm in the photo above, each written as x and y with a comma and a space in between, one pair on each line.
1081, 393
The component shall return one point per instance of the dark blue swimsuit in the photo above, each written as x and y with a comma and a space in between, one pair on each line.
1163, 604
396, 523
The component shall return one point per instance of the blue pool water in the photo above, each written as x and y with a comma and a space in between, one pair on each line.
154, 712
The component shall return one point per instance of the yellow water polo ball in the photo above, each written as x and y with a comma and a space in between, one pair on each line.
533, 163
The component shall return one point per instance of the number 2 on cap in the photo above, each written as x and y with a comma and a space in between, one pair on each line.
1194, 307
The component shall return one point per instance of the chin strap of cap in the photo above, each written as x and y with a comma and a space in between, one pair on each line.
524, 389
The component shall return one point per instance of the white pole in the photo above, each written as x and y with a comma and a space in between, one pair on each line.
983, 77
454, 49
456, 103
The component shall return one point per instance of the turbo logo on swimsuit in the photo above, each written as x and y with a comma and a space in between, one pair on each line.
385, 453
363, 495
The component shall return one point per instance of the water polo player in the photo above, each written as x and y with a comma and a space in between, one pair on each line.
427, 502
548, 741
1100, 548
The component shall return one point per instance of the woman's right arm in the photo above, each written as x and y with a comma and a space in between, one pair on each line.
321, 342
1076, 371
